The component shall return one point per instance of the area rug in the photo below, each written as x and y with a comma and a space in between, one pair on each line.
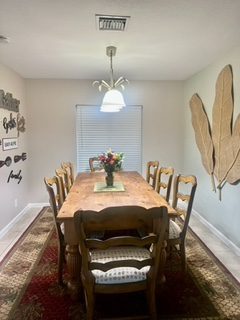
29, 289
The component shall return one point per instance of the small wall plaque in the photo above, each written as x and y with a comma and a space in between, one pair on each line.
9, 143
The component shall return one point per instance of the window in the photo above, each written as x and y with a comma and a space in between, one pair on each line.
98, 131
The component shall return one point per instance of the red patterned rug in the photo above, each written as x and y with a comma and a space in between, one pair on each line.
29, 289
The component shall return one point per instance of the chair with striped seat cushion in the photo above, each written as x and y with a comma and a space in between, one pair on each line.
164, 181
68, 167
183, 192
63, 180
151, 175
122, 263
174, 230
95, 165
53, 186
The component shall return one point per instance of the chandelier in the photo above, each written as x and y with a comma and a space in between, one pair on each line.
113, 100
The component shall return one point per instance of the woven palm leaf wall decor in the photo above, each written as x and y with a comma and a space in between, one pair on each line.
220, 145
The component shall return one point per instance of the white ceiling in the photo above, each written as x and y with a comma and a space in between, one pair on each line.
165, 39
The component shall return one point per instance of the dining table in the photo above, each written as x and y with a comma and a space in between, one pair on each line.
88, 192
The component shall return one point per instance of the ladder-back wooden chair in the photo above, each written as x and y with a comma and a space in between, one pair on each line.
139, 261
183, 196
68, 166
55, 199
64, 181
95, 165
164, 181
151, 175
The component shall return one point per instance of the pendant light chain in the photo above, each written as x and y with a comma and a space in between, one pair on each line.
111, 70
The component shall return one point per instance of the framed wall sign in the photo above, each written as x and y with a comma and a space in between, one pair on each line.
9, 143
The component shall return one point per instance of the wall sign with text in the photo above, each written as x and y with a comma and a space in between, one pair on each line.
12, 125
9, 143
8, 102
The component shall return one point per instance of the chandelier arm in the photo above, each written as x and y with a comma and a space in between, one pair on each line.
118, 82
106, 85
95, 83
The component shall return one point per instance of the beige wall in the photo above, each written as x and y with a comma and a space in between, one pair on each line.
224, 215
11, 82
52, 123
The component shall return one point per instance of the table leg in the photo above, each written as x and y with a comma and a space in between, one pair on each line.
74, 268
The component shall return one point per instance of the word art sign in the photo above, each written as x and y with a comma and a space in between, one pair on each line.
16, 176
8, 102
9, 143
9, 124
20, 124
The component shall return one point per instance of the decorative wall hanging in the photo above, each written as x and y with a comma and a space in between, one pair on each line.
22, 157
9, 143
8, 102
20, 124
16, 176
9, 124
219, 146
7, 162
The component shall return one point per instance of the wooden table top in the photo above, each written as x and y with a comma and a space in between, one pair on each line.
137, 192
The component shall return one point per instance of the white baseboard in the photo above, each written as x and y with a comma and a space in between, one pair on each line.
38, 205
21, 213
217, 233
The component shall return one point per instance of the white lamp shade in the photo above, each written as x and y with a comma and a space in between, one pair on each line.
112, 101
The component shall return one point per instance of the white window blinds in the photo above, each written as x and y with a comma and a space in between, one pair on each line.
98, 131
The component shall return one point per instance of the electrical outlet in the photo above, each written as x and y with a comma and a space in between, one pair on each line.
15, 203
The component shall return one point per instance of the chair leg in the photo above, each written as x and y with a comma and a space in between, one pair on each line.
151, 298
183, 257
169, 250
61, 258
90, 302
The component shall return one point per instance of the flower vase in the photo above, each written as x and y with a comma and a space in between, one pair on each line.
109, 179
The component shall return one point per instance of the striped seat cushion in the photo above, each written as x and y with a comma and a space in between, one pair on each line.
123, 274
174, 230
62, 227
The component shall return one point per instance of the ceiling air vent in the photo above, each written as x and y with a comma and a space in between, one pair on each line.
111, 23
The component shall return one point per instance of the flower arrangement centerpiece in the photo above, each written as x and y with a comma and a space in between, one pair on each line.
111, 161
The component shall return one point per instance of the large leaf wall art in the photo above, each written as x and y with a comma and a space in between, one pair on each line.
220, 145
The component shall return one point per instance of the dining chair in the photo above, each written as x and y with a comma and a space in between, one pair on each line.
65, 182
55, 199
164, 181
68, 166
183, 195
95, 165
151, 175
122, 263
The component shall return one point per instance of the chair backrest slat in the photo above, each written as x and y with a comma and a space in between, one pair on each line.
121, 263
120, 241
